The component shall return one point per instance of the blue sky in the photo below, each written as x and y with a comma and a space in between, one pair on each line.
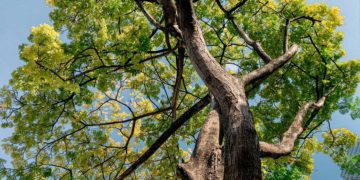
18, 16
350, 9
16, 19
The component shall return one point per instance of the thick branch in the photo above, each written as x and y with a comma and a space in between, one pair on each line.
291, 135
211, 72
206, 160
271, 67
166, 135
169, 10
241, 157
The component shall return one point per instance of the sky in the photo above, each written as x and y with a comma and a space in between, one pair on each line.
18, 16
350, 9
16, 19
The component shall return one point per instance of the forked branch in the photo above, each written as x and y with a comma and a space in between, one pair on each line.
169, 10
254, 44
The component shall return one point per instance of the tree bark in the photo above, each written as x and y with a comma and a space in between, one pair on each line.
240, 156
241, 151
206, 161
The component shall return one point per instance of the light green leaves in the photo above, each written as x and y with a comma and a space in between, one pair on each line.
352, 164
336, 143
88, 105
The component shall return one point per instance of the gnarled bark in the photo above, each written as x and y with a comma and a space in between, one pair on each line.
206, 161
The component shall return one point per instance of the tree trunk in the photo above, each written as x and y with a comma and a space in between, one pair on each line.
241, 152
230, 121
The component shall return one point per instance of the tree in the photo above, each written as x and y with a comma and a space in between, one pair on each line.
121, 96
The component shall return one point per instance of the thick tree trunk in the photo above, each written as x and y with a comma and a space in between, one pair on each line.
240, 156
241, 152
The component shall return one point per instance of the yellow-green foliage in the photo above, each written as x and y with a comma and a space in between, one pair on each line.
72, 104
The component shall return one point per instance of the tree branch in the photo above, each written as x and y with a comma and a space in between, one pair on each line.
206, 159
211, 72
271, 67
148, 16
286, 35
238, 5
256, 45
166, 135
313, 20
290, 136
179, 72
131, 119
169, 10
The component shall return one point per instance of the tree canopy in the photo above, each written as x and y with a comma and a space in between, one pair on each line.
109, 87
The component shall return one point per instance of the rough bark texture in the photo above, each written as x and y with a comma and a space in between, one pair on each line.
240, 156
241, 151
206, 162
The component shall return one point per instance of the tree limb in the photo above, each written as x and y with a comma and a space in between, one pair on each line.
206, 159
271, 67
290, 136
166, 135
131, 119
211, 72
179, 72
148, 16
286, 35
254, 44
238, 5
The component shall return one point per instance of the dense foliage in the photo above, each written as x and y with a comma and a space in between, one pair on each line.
98, 87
